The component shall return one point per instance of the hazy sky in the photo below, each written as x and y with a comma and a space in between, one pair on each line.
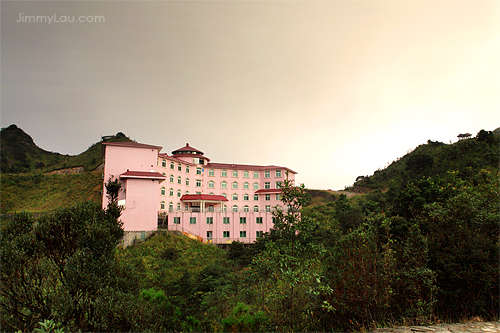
330, 89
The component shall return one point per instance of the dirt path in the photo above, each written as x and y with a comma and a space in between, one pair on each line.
479, 327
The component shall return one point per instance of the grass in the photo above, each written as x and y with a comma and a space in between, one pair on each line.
36, 193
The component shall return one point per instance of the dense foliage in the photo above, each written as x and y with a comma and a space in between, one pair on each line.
423, 250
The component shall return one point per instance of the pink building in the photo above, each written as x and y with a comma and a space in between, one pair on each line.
214, 202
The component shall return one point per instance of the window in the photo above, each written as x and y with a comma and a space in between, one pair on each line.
192, 220
187, 192
268, 208
258, 220
179, 167
171, 178
172, 166
164, 163
246, 186
246, 174
210, 220
187, 181
223, 173
235, 197
246, 197
198, 171
210, 208
267, 185
267, 197
225, 234
255, 197
179, 193
255, 174
278, 173
171, 192
256, 209
170, 206
163, 191
178, 206
246, 209
209, 234
186, 207
235, 173
235, 209
267, 174
162, 205
211, 172
224, 195
259, 233
278, 197
223, 208
187, 168
255, 186
223, 184
177, 220
198, 182
243, 220
225, 220
243, 234
211, 184
235, 185
179, 180
278, 184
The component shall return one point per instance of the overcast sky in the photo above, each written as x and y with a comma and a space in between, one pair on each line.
330, 89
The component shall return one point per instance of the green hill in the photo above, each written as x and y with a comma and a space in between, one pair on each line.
436, 158
26, 180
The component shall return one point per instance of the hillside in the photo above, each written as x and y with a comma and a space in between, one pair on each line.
435, 158
36, 180
20, 154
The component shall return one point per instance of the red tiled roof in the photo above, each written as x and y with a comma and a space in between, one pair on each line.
187, 147
271, 190
247, 167
204, 197
131, 145
142, 175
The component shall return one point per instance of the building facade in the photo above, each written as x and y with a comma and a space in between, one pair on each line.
213, 202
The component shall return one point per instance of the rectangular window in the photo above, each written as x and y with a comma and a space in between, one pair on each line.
267, 185
198, 182
255, 174
267, 174
243, 220
259, 233
198, 171
225, 234
243, 234
278, 173
278, 184
278, 197
192, 220
225, 220
210, 220
177, 220
258, 220
268, 197
211, 172
223, 173
268, 208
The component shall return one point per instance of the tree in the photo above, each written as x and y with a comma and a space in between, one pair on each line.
285, 279
62, 266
